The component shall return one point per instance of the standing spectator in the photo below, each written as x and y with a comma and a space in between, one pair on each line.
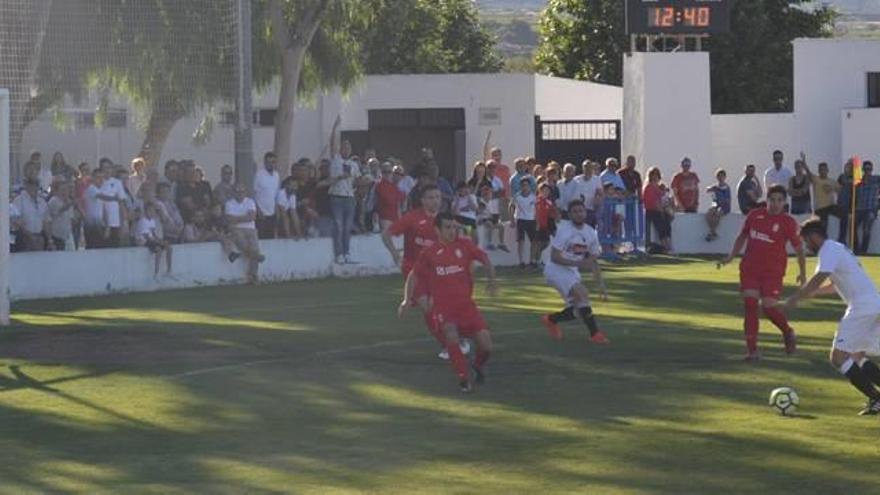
610, 176
81, 184
44, 174
464, 207
241, 213
590, 190
488, 216
825, 189
632, 180
522, 209
370, 175
148, 234
522, 172
62, 212
539, 172
15, 238
546, 216
60, 168
267, 183
686, 188
113, 196
502, 171
223, 191
551, 178
343, 173
844, 202
568, 188
655, 212
288, 218
866, 207
94, 213
721, 199
169, 214
138, 176
389, 198
799, 190
172, 176
193, 194
479, 177
407, 182
499, 188
748, 191
34, 214
778, 173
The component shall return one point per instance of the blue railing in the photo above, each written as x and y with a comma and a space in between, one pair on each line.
621, 221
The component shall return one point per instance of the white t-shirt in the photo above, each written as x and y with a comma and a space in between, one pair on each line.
587, 189
773, 177
340, 167
574, 243
568, 192
286, 201
62, 226
94, 206
266, 187
146, 229
33, 213
233, 207
465, 206
113, 187
487, 208
497, 185
524, 207
849, 278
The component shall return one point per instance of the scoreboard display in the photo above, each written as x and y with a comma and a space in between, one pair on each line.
677, 16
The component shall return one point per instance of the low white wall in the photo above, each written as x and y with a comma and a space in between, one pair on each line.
44, 275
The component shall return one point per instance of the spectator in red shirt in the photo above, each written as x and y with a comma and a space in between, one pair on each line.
686, 188
389, 198
655, 214
546, 216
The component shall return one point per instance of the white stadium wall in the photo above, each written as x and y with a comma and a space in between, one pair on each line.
741, 139
567, 99
861, 133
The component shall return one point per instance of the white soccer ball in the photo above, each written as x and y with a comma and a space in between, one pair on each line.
785, 400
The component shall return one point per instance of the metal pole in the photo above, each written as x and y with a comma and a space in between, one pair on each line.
244, 137
4, 207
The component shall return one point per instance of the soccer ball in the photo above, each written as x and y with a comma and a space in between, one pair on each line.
785, 400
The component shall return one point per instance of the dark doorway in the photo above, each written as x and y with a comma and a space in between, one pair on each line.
573, 141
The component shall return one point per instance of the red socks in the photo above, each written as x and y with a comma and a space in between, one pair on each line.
778, 318
751, 324
480, 359
458, 361
434, 329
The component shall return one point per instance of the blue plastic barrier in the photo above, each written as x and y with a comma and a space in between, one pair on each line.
621, 221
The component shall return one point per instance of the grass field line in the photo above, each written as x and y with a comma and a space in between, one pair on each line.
320, 354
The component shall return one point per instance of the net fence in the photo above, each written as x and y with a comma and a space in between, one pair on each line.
112, 78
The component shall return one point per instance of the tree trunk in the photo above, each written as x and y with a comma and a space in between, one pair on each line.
291, 67
158, 129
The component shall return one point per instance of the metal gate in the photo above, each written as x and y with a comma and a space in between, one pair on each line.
573, 141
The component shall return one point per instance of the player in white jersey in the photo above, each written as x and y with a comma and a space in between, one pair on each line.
858, 334
574, 246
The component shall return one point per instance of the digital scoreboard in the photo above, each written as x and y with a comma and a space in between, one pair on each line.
677, 16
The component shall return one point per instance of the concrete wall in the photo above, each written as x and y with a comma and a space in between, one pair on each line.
567, 99
861, 133
741, 139
830, 75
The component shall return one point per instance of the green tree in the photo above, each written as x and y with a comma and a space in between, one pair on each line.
427, 36
751, 66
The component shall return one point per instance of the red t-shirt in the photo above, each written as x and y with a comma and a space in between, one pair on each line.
768, 235
388, 200
417, 229
686, 187
503, 172
545, 210
652, 197
447, 270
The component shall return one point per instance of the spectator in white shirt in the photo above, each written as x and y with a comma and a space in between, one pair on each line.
778, 174
34, 217
522, 210
343, 173
62, 213
148, 233
285, 207
138, 176
241, 214
95, 218
113, 196
267, 183
568, 188
589, 189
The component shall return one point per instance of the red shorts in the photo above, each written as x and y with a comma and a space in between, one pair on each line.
466, 317
767, 284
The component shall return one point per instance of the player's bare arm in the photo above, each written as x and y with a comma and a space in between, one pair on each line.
807, 291
802, 265
556, 257
738, 245
598, 277
407, 293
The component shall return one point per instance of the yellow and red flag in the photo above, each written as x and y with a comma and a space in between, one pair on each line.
858, 176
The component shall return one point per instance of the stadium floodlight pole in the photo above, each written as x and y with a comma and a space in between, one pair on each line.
5, 154
245, 167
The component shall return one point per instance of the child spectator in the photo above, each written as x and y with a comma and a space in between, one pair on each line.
522, 210
288, 218
546, 216
488, 216
62, 212
721, 195
149, 234
464, 207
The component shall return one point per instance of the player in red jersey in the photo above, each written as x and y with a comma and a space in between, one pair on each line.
446, 268
418, 231
765, 234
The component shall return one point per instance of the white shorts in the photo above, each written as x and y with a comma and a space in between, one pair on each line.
562, 279
859, 333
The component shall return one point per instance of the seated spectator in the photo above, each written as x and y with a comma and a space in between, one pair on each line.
656, 213
192, 194
686, 188
148, 233
223, 190
172, 176
289, 225
390, 200
202, 230
721, 199
464, 207
138, 176
241, 214
34, 214
748, 191
60, 169
169, 214
62, 213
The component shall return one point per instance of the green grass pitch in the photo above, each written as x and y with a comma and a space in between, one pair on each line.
317, 387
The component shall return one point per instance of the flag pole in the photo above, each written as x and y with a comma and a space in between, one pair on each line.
856, 180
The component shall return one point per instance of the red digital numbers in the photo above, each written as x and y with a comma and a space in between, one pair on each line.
662, 17
667, 17
703, 16
689, 16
